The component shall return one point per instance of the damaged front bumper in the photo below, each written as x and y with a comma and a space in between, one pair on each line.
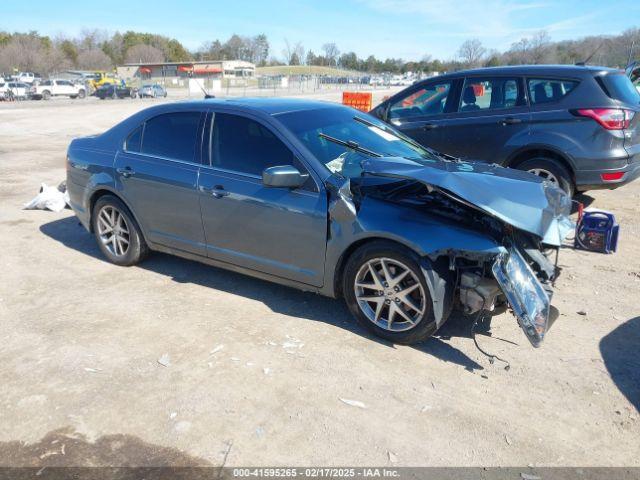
514, 284
526, 295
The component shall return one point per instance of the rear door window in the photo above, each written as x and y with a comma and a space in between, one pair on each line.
134, 140
490, 94
548, 90
172, 135
425, 101
619, 87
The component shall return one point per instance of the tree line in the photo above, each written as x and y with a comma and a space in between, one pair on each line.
99, 50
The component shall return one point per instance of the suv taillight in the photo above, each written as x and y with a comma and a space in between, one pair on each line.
609, 118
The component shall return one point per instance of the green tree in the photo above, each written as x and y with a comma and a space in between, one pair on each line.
69, 50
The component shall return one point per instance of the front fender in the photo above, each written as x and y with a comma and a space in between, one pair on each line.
429, 236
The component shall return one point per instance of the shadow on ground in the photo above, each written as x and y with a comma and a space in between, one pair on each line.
620, 351
65, 447
583, 198
280, 299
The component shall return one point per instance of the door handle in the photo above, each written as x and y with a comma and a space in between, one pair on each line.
510, 121
429, 126
126, 172
217, 191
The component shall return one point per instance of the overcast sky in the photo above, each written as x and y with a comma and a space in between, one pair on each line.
408, 29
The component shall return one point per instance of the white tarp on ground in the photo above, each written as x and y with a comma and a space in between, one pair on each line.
49, 198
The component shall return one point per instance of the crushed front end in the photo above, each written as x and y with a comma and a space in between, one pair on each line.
520, 277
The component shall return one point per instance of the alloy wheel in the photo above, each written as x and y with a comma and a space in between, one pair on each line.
389, 294
113, 230
546, 175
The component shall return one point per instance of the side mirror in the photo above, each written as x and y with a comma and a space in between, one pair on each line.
284, 176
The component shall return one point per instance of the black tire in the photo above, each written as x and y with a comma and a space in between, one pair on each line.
425, 324
137, 248
552, 166
46, 95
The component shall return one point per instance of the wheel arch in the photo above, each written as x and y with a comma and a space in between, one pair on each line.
439, 278
103, 191
534, 151
338, 271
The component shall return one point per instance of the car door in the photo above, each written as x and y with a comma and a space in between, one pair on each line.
492, 119
420, 112
157, 171
65, 87
278, 231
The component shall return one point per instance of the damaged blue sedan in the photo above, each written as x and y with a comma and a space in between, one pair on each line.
324, 198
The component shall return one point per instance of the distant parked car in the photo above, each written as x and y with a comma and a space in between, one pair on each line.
57, 88
115, 91
16, 91
27, 77
3, 89
152, 91
575, 126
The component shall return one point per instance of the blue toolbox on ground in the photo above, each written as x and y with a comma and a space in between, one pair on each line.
597, 231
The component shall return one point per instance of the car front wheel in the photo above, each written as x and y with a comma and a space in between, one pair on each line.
385, 290
117, 233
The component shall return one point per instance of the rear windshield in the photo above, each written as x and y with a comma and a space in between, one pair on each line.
619, 87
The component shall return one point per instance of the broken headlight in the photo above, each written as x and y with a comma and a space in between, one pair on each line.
527, 297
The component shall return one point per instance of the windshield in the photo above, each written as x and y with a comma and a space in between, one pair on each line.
321, 129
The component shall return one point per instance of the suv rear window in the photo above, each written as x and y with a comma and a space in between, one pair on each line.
547, 90
619, 87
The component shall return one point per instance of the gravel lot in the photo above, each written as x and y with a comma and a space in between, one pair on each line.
257, 374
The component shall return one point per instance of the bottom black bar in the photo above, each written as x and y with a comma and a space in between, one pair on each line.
400, 473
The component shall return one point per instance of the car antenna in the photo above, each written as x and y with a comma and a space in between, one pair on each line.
207, 95
583, 63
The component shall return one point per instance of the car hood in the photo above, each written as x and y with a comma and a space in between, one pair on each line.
515, 197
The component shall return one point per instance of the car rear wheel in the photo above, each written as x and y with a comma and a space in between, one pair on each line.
117, 233
550, 170
386, 292
46, 95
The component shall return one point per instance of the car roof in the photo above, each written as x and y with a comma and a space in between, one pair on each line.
269, 106
554, 70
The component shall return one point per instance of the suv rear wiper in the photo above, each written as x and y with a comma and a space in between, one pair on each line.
350, 144
406, 139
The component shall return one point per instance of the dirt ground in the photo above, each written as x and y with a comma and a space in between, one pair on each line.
257, 374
